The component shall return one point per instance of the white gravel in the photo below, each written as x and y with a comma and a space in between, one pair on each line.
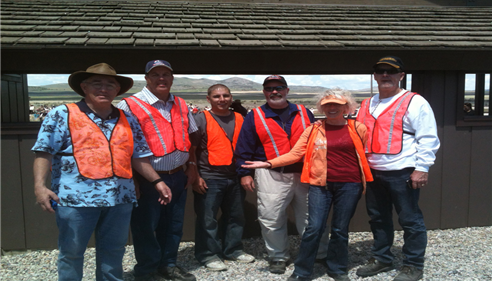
457, 254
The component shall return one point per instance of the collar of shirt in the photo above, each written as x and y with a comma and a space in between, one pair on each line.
152, 99
376, 98
86, 109
269, 113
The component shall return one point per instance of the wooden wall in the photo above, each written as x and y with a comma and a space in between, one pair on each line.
459, 193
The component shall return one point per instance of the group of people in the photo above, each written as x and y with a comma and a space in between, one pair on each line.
129, 166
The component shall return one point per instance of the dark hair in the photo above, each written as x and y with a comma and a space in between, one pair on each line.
217, 86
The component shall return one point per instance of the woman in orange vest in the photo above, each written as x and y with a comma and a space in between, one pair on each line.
336, 168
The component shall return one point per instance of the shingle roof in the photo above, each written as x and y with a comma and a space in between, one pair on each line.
140, 24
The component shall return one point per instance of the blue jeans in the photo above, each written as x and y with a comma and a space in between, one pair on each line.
157, 229
76, 225
228, 195
344, 196
390, 188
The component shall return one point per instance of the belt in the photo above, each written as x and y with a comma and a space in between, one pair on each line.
175, 170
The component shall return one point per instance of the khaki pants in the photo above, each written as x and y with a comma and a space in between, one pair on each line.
276, 191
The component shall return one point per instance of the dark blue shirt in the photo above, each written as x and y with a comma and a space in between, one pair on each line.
249, 146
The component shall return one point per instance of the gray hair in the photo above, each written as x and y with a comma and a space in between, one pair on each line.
339, 93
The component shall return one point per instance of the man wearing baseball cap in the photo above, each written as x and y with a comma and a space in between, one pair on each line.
400, 149
92, 149
269, 131
168, 126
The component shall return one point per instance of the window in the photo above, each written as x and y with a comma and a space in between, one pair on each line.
474, 100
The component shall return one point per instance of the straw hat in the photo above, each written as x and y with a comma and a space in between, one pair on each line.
98, 69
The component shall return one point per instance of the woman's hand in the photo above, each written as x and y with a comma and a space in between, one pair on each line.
256, 165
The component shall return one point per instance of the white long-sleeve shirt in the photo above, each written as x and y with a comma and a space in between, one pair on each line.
418, 150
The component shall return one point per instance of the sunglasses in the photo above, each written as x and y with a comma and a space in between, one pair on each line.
271, 89
388, 71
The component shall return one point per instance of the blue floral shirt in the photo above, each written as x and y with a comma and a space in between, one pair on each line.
73, 189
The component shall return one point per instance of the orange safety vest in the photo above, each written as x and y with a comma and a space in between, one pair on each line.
273, 137
359, 149
220, 148
386, 132
163, 137
96, 157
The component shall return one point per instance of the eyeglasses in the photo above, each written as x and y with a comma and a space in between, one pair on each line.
277, 88
99, 86
388, 71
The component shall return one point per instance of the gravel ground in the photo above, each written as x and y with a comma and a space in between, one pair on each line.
458, 254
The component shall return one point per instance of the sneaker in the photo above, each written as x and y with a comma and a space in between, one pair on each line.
277, 267
243, 257
216, 265
175, 273
409, 273
339, 277
374, 267
294, 277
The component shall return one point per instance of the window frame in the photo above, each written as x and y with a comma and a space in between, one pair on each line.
473, 121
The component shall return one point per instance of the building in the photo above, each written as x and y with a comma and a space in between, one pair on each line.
439, 40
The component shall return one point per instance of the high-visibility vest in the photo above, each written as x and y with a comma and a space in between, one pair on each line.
220, 148
359, 150
96, 157
163, 136
275, 140
385, 132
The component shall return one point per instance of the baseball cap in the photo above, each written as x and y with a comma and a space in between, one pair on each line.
395, 62
275, 78
155, 63
333, 99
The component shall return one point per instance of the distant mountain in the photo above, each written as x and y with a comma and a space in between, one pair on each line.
183, 85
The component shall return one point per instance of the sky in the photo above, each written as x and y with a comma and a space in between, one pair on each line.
349, 82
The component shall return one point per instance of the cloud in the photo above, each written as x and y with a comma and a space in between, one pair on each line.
44, 79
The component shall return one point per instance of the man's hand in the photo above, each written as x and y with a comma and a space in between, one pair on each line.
419, 179
143, 167
200, 186
192, 174
248, 183
41, 168
165, 195
43, 197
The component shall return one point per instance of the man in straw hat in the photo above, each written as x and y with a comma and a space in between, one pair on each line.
169, 128
91, 148
401, 147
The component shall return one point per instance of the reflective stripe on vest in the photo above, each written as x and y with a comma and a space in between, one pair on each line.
386, 132
220, 148
153, 122
163, 137
96, 157
275, 140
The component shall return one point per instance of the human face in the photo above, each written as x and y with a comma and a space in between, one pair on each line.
220, 100
386, 81
334, 111
159, 82
276, 99
100, 89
